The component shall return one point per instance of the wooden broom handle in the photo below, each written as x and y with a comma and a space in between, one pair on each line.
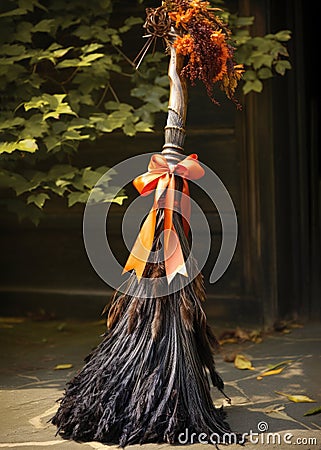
177, 108
178, 85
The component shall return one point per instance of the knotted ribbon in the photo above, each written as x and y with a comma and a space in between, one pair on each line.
161, 178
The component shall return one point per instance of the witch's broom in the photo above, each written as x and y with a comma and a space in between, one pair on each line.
149, 379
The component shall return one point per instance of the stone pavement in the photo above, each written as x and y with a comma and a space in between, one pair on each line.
30, 385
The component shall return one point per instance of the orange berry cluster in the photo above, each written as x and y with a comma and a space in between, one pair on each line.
205, 41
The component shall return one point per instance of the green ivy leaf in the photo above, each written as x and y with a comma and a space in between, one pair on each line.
239, 21
12, 49
84, 61
7, 147
30, 4
264, 73
62, 171
120, 199
87, 60
38, 199
44, 26
52, 141
27, 145
57, 107
250, 75
59, 69
284, 35
90, 177
34, 126
260, 60
74, 135
77, 197
35, 103
144, 127
91, 47
23, 32
14, 12
129, 23
255, 86
281, 66
114, 195
19, 183
60, 52
11, 123
24, 145
261, 44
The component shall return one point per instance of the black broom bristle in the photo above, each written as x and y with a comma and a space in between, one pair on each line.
148, 380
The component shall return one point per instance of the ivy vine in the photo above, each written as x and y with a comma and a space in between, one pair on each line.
60, 63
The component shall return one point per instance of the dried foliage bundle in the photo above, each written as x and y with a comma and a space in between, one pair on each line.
203, 38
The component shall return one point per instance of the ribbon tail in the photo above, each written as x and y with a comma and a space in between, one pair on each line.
168, 210
173, 254
143, 245
186, 208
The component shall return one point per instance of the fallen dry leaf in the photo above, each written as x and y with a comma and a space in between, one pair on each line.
242, 335
228, 341
277, 365
283, 324
296, 398
295, 325
270, 372
229, 357
11, 320
239, 335
242, 362
274, 369
255, 333
63, 366
313, 411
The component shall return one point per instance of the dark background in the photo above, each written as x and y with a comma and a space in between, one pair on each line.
268, 157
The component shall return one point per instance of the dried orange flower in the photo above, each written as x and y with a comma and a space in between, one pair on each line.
185, 45
181, 18
223, 54
205, 40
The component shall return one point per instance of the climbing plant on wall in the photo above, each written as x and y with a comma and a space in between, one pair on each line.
61, 64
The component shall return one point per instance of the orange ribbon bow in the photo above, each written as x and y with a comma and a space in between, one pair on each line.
161, 177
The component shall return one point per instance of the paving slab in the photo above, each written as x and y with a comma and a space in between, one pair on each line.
30, 386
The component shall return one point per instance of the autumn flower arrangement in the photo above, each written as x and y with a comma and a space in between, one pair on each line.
203, 38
